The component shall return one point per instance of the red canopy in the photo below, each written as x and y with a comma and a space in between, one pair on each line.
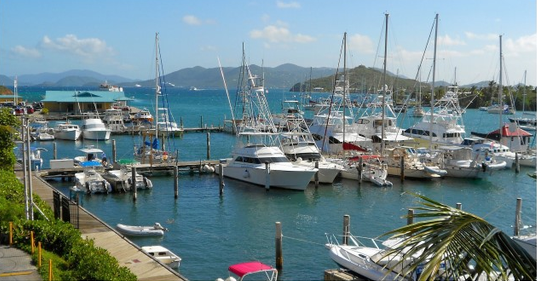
242, 269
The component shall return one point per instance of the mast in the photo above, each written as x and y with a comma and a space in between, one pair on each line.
432, 84
344, 88
382, 142
524, 94
157, 87
500, 89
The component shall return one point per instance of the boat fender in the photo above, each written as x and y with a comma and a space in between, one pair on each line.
484, 167
145, 182
129, 181
246, 174
87, 186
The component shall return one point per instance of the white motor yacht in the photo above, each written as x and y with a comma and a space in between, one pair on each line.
67, 131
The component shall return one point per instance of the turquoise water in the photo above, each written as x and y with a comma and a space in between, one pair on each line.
210, 232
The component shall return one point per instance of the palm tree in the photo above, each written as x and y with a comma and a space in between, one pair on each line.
459, 244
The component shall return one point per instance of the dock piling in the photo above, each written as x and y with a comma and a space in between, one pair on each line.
279, 247
459, 206
517, 163
221, 178
133, 183
410, 217
176, 182
517, 216
346, 229
208, 145
402, 169
55, 150
114, 155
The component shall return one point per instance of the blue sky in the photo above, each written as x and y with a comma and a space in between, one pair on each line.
117, 36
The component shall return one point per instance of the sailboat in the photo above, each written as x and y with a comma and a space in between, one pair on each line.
154, 149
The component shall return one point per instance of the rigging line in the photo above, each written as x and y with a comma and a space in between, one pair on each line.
302, 240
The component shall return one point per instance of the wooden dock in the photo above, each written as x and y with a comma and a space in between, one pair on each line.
144, 266
147, 169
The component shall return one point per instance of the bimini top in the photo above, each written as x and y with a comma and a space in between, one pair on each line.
246, 268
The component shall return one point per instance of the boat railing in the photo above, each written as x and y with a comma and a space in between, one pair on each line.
354, 240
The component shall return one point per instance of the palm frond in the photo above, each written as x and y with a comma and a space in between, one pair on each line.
452, 243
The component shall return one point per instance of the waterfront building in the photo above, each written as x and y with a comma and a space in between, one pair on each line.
76, 102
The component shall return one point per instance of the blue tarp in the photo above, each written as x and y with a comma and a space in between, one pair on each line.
90, 163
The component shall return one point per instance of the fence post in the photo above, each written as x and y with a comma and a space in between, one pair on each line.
10, 233
39, 254
32, 241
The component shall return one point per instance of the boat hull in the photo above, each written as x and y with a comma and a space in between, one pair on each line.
96, 134
280, 176
130, 230
68, 135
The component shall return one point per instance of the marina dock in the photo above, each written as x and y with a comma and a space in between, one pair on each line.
144, 266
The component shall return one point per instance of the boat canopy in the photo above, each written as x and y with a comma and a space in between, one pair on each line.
90, 164
242, 269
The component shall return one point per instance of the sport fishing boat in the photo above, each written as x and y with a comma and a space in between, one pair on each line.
67, 131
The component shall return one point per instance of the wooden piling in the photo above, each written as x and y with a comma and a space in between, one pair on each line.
208, 145
317, 173
176, 182
346, 229
133, 184
517, 216
410, 217
279, 246
55, 150
114, 155
517, 163
402, 169
221, 178
360, 167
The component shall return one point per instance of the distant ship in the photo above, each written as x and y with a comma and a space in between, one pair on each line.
137, 85
111, 88
194, 89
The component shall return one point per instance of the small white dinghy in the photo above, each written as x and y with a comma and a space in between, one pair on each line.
164, 255
133, 230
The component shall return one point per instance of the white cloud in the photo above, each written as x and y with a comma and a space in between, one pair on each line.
287, 5
489, 36
361, 44
88, 48
191, 20
524, 44
279, 34
26, 52
448, 41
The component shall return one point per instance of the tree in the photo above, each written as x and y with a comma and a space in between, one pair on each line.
9, 124
463, 244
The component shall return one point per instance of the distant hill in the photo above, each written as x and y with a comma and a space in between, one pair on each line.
51, 79
6, 81
283, 76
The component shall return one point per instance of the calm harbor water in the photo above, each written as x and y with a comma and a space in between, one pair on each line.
211, 232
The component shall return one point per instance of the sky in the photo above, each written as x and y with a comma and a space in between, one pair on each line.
118, 36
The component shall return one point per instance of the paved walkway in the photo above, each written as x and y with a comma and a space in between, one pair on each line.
16, 264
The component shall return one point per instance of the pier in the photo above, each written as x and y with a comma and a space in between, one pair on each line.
146, 169
144, 266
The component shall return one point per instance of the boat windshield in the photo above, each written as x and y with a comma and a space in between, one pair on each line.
273, 159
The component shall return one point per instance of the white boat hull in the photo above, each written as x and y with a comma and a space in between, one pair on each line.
96, 134
281, 175
131, 230
68, 135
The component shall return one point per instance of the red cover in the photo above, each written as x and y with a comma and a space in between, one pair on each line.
242, 269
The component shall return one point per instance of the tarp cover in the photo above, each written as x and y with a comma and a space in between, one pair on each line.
242, 269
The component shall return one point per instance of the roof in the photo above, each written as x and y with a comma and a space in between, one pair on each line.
84, 96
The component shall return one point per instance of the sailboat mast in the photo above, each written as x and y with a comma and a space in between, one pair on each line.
157, 87
344, 87
524, 94
382, 143
432, 84
500, 89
